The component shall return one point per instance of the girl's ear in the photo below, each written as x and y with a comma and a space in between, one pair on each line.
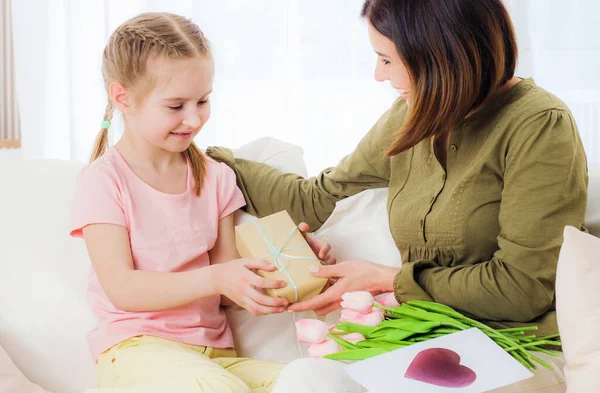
120, 97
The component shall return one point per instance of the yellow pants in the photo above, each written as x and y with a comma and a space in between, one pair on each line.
150, 364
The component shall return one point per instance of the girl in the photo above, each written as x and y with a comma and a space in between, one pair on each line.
156, 216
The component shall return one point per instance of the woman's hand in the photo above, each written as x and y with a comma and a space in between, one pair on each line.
351, 276
321, 248
236, 281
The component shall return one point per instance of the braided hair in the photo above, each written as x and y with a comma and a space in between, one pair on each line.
126, 56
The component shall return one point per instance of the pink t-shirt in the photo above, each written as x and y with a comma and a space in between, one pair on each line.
168, 233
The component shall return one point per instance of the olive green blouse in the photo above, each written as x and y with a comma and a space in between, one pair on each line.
482, 235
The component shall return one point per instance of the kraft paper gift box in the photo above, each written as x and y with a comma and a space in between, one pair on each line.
276, 239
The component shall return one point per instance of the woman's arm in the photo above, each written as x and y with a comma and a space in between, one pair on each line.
350, 276
269, 191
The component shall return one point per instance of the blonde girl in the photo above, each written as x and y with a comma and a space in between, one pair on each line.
156, 216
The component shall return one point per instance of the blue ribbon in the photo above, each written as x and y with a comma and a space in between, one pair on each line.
279, 257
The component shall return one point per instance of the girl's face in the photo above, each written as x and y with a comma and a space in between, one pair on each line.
389, 65
171, 112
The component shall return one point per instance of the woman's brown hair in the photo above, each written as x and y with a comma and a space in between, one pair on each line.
457, 52
126, 56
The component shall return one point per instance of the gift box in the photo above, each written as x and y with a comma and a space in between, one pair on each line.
276, 239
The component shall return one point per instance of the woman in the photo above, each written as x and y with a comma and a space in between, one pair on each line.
484, 169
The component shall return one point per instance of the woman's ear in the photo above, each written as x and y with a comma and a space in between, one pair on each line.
120, 97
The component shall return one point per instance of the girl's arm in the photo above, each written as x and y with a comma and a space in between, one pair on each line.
225, 251
139, 291
136, 290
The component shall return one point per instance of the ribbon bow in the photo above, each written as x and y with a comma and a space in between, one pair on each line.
280, 259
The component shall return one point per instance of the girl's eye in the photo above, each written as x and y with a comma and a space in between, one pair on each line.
176, 108
202, 102
385, 62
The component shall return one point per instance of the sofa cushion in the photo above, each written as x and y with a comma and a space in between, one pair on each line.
578, 309
12, 379
356, 235
592, 215
44, 317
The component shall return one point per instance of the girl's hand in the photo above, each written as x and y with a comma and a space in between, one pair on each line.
351, 276
321, 248
237, 281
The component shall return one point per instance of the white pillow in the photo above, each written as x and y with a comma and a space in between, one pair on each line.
359, 228
592, 215
44, 316
278, 154
267, 337
578, 309
12, 380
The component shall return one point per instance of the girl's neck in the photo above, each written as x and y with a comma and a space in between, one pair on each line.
143, 154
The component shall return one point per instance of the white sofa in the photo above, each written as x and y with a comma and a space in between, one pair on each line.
44, 317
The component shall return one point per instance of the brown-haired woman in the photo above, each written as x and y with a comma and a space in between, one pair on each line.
484, 170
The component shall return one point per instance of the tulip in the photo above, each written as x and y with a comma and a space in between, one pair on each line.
353, 337
382, 311
311, 331
388, 300
360, 301
374, 318
327, 347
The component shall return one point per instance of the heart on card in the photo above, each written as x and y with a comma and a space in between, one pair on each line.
440, 367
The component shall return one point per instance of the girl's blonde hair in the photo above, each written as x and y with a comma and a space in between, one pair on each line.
126, 56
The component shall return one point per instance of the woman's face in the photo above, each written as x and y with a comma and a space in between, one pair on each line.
389, 66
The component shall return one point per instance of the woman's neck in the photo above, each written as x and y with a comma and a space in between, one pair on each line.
500, 90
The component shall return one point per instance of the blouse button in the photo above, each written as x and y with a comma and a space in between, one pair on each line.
453, 148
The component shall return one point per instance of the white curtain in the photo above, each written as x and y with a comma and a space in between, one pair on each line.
297, 70
9, 114
559, 43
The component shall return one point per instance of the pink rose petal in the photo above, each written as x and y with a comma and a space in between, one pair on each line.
311, 331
